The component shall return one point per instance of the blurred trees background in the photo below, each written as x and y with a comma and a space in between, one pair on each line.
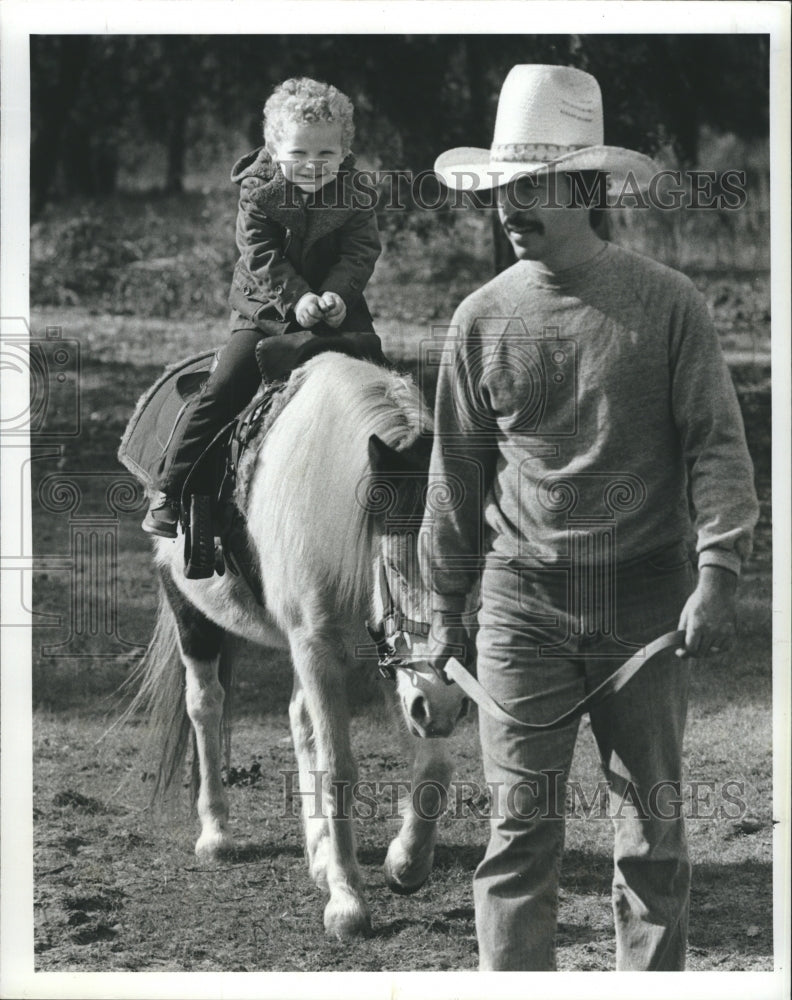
134, 136
133, 140
100, 104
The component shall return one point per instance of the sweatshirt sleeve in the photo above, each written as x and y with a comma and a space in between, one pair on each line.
707, 414
260, 244
460, 473
358, 249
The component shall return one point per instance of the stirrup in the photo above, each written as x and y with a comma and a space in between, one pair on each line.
199, 544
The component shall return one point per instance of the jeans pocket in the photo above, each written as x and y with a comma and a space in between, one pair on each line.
652, 593
669, 559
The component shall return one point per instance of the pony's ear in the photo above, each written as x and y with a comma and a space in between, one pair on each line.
382, 457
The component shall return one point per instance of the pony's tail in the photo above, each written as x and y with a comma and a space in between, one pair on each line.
160, 699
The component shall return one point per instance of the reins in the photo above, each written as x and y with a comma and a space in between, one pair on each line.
396, 626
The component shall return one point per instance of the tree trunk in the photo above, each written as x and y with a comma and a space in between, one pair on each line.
177, 146
76, 160
52, 102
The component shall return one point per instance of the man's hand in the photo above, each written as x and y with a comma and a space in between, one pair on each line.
446, 641
708, 617
309, 310
334, 309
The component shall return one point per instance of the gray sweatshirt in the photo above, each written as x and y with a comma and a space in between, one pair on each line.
594, 403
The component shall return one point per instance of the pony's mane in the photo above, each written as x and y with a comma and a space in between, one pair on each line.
303, 490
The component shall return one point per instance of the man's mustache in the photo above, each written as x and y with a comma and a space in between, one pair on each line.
521, 224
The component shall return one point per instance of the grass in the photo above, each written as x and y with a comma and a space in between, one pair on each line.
171, 257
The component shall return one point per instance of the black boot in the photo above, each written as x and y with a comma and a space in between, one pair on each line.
162, 516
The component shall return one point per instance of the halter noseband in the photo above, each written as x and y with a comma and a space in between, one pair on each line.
393, 626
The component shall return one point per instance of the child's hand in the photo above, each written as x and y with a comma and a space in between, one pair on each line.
309, 310
334, 309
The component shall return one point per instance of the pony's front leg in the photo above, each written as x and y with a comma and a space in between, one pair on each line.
411, 853
319, 661
315, 828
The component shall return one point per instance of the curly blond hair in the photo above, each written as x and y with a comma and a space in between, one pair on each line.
305, 101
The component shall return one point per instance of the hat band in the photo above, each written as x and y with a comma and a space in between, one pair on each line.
530, 152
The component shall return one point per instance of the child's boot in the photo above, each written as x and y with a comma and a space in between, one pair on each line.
162, 516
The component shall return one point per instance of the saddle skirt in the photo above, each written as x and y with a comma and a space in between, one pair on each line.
158, 414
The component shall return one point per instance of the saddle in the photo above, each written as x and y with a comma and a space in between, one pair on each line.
215, 533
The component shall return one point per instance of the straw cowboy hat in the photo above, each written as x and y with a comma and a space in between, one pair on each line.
549, 118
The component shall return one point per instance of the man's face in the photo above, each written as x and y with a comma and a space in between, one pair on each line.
535, 214
309, 154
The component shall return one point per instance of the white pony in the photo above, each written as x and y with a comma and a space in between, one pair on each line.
333, 496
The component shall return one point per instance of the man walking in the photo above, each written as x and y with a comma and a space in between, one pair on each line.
583, 408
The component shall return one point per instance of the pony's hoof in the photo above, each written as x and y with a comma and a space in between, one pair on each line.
403, 874
214, 846
346, 917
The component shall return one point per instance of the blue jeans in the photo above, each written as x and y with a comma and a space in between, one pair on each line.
547, 637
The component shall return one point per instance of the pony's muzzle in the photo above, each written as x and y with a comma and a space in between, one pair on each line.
431, 706
424, 725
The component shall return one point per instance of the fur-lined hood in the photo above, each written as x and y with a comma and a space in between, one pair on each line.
259, 163
263, 181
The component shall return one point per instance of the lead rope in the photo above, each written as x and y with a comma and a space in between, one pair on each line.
611, 685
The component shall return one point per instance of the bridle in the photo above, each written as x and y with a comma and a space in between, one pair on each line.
394, 630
